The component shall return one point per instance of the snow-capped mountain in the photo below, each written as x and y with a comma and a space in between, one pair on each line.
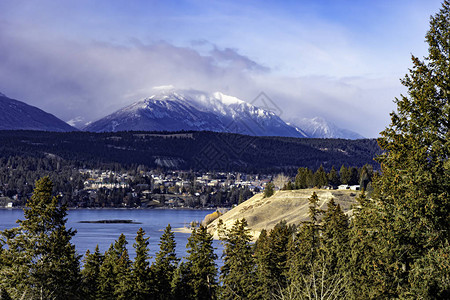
194, 110
16, 115
320, 128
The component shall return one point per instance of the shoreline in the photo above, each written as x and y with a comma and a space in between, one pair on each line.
182, 230
119, 208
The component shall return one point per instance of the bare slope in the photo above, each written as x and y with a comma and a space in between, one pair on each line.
291, 206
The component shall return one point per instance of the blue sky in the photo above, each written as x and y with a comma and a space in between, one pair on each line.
341, 60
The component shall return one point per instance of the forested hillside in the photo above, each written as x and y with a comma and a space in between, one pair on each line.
191, 150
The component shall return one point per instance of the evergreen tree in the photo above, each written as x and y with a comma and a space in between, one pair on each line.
203, 270
141, 268
91, 273
365, 176
165, 264
304, 248
181, 287
107, 276
300, 179
288, 186
363, 259
354, 176
269, 190
123, 288
262, 260
115, 271
335, 238
333, 177
237, 272
4, 295
344, 175
413, 194
309, 175
40, 261
271, 260
316, 257
320, 177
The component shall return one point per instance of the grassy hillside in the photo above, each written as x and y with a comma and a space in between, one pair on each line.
291, 206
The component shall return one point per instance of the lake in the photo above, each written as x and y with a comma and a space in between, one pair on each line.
153, 221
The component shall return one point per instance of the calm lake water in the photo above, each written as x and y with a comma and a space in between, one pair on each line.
152, 221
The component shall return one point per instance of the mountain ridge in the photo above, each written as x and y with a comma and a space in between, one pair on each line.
318, 127
196, 150
195, 110
17, 115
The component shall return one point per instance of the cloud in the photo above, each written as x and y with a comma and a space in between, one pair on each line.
231, 58
91, 79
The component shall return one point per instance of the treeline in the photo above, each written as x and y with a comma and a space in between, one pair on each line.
198, 151
307, 178
39, 261
327, 257
19, 173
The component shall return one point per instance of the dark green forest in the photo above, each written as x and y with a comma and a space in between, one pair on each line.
394, 246
198, 151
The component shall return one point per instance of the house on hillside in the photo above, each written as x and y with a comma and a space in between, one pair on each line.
356, 187
344, 187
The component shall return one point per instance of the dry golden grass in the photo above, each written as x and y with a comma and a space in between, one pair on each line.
291, 206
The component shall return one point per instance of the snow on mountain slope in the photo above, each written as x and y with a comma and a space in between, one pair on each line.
17, 115
174, 110
319, 128
194, 110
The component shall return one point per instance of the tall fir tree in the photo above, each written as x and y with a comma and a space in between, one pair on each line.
363, 259
303, 249
271, 253
262, 264
115, 271
90, 273
269, 190
365, 176
201, 262
344, 175
413, 194
107, 275
40, 261
165, 265
320, 177
301, 181
335, 239
141, 277
238, 270
122, 269
333, 177
181, 287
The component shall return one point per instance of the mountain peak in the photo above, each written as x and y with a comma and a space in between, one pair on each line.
17, 115
318, 127
226, 99
173, 110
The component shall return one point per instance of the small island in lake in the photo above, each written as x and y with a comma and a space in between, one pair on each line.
112, 222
